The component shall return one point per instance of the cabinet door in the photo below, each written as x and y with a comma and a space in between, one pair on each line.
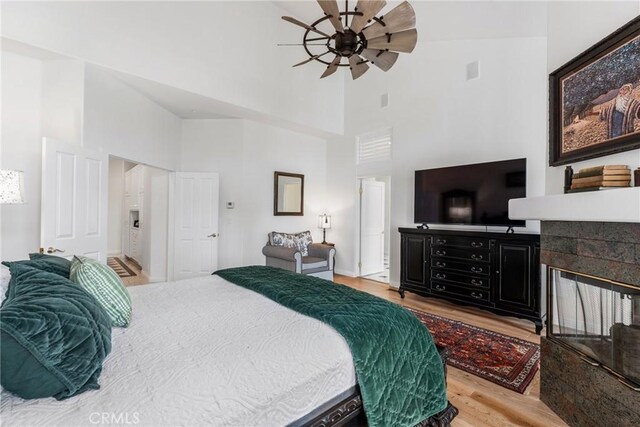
127, 183
415, 250
515, 290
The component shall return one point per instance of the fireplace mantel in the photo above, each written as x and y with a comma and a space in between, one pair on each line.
617, 205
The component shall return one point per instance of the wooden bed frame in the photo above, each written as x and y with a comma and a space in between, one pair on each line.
349, 412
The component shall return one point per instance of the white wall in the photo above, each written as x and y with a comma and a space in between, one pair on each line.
122, 122
246, 154
217, 146
155, 227
441, 119
109, 115
590, 23
268, 149
63, 100
20, 148
225, 50
116, 205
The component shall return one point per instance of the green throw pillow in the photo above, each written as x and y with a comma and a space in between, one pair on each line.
44, 265
105, 285
55, 260
54, 336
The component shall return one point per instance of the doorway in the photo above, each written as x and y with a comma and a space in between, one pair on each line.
137, 225
374, 228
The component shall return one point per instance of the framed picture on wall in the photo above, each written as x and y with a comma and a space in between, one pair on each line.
594, 100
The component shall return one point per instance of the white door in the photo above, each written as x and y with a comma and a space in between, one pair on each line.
196, 224
74, 201
371, 227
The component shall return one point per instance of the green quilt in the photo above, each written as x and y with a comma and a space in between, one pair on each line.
399, 370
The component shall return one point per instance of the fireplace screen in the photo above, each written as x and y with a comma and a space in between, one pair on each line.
598, 318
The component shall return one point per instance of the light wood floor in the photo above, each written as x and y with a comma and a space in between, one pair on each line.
480, 402
139, 279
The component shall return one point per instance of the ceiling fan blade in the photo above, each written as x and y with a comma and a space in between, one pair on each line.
313, 58
380, 58
358, 68
303, 25
330, 7
404, 41
399, 18
369, 9
332, 68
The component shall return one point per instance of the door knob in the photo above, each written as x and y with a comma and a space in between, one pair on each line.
212, 235
51, 250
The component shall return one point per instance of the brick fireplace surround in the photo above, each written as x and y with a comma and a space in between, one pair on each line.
580, 393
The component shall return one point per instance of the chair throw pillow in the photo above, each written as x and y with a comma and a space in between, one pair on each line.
106, 287
304, 240
299, 241
54, 336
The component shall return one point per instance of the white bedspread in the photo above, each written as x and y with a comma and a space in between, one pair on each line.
204, 352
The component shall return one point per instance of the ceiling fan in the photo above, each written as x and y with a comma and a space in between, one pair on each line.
360, 36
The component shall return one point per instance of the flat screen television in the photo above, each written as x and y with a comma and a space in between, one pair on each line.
476, 194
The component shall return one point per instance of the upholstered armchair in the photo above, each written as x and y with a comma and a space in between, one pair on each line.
318, 262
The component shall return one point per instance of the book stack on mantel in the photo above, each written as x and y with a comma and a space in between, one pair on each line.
600, 178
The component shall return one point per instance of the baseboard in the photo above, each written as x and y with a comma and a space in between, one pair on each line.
154, 279
114, 254
344, 272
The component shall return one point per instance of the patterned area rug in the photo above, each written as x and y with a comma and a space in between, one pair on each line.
506, 361
120, 267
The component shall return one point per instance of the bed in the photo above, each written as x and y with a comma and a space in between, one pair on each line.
205, 351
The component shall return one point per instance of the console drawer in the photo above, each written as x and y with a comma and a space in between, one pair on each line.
462, 279
480, 295
478, 255
462, 242
466, 267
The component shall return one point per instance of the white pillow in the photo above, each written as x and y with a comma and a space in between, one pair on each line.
5, 278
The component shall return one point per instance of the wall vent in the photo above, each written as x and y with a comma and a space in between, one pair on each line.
384, 100
374, 146
473, 70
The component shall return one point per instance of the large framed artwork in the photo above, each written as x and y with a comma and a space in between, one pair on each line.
594, 100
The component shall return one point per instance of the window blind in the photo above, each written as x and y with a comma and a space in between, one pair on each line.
374, 147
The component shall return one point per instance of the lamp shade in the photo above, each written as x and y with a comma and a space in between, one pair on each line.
11, 187
324, 221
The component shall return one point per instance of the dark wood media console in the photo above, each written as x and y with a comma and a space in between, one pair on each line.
499, 272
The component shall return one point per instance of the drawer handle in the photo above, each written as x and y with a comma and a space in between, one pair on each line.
441, 264
440, 288
441, 276
476, 269
477, 244
476, 282
441, 241
476, 295
441, 253
476, 257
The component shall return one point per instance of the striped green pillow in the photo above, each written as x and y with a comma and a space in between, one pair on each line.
105, 286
